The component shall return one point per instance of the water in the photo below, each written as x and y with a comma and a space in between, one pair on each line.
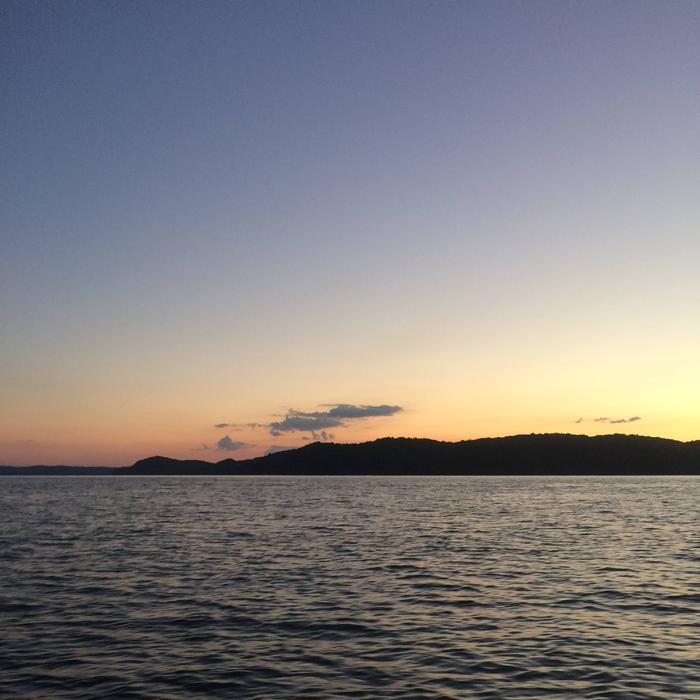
349, 587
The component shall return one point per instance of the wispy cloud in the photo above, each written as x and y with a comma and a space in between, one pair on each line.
335, 417
611, 421
252, 426
631, 419
303, 422
315, 424
346, 410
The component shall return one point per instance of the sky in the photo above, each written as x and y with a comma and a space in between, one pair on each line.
338, 221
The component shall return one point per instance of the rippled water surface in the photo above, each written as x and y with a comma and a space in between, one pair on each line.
349, 587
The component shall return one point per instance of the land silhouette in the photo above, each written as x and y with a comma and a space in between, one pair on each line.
535, 454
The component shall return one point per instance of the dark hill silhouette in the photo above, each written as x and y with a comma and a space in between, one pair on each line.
547, 454
167, 465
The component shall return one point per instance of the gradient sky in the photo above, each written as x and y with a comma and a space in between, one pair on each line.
485, 213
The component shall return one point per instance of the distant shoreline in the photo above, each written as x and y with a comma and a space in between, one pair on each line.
519, 455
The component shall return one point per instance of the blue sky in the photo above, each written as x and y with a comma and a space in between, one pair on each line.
221, 211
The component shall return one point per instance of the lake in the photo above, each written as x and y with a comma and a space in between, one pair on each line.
353, 587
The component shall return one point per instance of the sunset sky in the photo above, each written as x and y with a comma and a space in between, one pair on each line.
345, 220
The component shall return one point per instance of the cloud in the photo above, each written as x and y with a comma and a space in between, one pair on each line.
346, 410
228, 445
318, 421
241, 425
631, 419
314, 422
303, 422
606, 419
203, 448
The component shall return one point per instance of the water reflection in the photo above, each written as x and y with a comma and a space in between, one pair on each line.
350, 587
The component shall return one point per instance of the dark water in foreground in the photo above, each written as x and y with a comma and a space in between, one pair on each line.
349, 587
